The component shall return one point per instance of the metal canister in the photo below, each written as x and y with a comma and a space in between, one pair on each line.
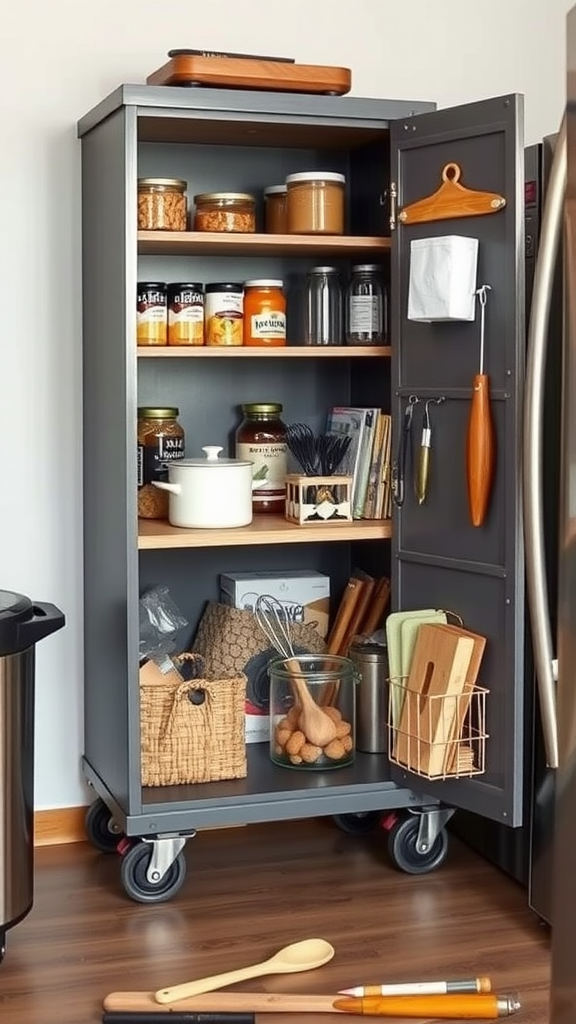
371, 661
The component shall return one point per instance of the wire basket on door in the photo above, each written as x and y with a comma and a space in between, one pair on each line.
437, 736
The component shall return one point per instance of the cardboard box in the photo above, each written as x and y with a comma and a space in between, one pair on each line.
305, 597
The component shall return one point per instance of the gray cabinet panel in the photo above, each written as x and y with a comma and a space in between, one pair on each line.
439, 558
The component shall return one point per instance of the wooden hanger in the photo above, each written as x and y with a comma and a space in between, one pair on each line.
451, 200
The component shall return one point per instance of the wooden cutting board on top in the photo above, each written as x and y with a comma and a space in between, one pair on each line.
428, 725
227, 71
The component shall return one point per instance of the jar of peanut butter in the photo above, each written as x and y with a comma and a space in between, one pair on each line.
315, 203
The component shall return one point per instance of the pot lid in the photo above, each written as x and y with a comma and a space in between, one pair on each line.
212, 460
14, 606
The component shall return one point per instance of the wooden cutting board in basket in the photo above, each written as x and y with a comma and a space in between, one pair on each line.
187, 67
430, 713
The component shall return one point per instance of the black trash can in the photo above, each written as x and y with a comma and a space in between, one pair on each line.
22, 625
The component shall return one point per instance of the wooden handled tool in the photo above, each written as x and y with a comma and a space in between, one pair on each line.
480, 442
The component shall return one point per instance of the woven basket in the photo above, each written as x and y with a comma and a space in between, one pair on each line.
192, 730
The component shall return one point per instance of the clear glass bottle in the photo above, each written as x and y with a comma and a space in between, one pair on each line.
298, 739
323, 307
366, 306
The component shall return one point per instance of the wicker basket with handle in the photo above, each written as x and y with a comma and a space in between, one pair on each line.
192, 729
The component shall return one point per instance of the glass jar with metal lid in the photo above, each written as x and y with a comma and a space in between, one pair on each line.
160, 440
366, 306
162, 204
225, 211
261, 440
264, 313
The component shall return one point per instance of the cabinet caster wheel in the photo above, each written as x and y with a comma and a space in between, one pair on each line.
101, 829
2, 945
357, 824
133, 870
404, 853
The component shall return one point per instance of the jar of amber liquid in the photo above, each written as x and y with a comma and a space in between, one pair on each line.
261, 440
264, 313
162, 204
275, 209
160, 440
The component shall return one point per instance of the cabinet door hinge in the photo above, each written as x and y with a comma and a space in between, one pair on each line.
393, 196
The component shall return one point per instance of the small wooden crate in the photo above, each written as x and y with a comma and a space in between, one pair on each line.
318, 500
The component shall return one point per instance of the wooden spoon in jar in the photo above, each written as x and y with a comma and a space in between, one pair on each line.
316, 725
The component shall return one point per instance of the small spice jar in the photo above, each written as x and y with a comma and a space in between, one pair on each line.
264, 313
185, 313
275, 209
224, 314
162, 204
315, 203
225, 211
151, 313
160, 440
261, 439
320, 738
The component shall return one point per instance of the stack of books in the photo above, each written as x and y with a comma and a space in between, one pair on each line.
368, 459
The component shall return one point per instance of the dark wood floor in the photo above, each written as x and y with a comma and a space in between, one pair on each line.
252, 890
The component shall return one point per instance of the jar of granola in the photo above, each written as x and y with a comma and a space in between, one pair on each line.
162, 204
160, 440
225, 211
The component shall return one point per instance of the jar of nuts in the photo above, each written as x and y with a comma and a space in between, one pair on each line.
312, 711
225, 211
162, 204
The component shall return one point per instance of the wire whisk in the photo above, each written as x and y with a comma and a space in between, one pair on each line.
274, 623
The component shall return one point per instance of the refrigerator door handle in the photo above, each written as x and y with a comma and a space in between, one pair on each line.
548, 250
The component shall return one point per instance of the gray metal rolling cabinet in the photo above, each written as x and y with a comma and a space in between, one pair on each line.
223, 139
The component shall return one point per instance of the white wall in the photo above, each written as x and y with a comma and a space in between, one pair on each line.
445, 51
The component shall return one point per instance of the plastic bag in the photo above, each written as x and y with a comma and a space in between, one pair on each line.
160, 621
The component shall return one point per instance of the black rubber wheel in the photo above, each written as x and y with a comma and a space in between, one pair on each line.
133, 873
358, 824
101, 829
2, 945
403, 853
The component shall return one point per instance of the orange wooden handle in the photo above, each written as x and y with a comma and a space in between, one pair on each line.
480, 450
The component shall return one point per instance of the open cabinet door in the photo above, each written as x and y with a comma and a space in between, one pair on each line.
441, 560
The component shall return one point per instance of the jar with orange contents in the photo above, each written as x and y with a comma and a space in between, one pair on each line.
264, 313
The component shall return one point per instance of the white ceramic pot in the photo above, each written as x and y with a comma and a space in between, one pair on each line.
210, 493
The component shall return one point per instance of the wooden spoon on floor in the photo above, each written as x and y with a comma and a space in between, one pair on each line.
299, 956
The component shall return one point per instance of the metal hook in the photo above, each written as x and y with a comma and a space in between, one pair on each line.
433, 401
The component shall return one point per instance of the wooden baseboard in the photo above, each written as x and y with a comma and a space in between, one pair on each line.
66, 825
58, 826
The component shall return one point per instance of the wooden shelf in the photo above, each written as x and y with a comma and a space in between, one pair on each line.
281, 352
155, 535
204, 243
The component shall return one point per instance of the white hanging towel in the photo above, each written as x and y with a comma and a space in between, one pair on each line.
442, 279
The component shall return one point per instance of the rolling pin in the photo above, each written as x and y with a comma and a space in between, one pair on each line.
480, 441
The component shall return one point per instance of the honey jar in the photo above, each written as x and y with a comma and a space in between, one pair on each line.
315, 203
275, 209
151, 313
224, 314
185, 313
264, 313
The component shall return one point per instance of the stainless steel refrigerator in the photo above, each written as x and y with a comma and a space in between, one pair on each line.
563, 989
525, 852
